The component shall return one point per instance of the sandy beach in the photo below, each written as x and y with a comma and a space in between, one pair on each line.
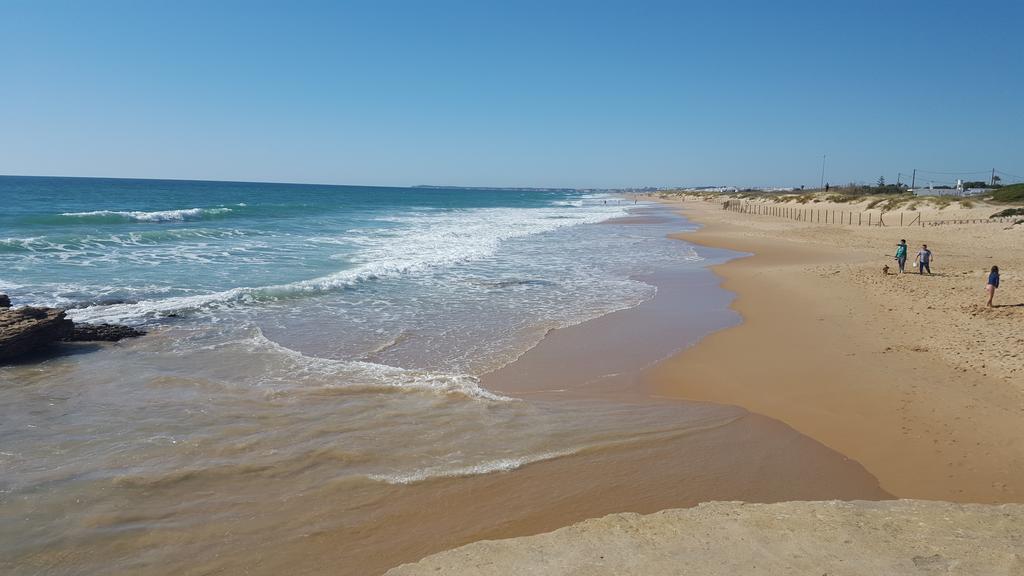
909, 375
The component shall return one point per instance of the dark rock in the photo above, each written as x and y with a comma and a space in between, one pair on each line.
5, 301
25, 330
99, 302
102, 332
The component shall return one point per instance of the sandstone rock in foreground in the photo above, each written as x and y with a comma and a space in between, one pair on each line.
24, 330
27, 330
726, 538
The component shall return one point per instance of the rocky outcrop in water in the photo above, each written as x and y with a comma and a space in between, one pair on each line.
726, 538
102, 333
26, 330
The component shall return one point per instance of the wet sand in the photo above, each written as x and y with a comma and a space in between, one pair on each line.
864, 363
754, 459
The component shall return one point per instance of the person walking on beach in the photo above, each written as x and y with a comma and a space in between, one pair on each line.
901, 255
924, 260
993, 283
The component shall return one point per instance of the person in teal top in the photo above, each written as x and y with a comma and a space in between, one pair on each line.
901, 255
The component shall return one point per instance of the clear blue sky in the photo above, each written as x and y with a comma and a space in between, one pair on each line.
514, 93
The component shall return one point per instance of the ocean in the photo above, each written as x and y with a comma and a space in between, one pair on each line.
302, 340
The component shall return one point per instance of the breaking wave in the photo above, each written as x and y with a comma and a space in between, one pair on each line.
118, 217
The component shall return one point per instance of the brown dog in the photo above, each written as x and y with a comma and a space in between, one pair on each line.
885, 270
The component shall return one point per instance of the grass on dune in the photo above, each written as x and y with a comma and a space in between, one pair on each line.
1008, 194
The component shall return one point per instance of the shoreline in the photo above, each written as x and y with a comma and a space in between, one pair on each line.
743, 456
819, 353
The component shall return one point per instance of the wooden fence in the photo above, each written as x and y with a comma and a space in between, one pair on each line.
848, 217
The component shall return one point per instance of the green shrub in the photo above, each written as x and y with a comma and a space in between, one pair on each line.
1008, 212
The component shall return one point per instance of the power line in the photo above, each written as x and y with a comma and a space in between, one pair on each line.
954, 173
1008, 174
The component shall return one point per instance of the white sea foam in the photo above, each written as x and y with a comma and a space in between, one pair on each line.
488, 467
421, 242
155, 216
359, 375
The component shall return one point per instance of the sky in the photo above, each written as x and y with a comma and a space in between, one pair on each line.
555, 93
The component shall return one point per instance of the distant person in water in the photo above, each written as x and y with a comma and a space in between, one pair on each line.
901, 255
924, 260
993, 283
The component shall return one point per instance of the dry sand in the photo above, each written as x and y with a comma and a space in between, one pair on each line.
910, 375
831, 538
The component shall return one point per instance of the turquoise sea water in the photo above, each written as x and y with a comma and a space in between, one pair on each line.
432, 278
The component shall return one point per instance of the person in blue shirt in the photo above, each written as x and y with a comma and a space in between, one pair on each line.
901, 255
993, 283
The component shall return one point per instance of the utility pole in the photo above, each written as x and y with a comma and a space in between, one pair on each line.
992, 182
899, 175
913, 179
822, 185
